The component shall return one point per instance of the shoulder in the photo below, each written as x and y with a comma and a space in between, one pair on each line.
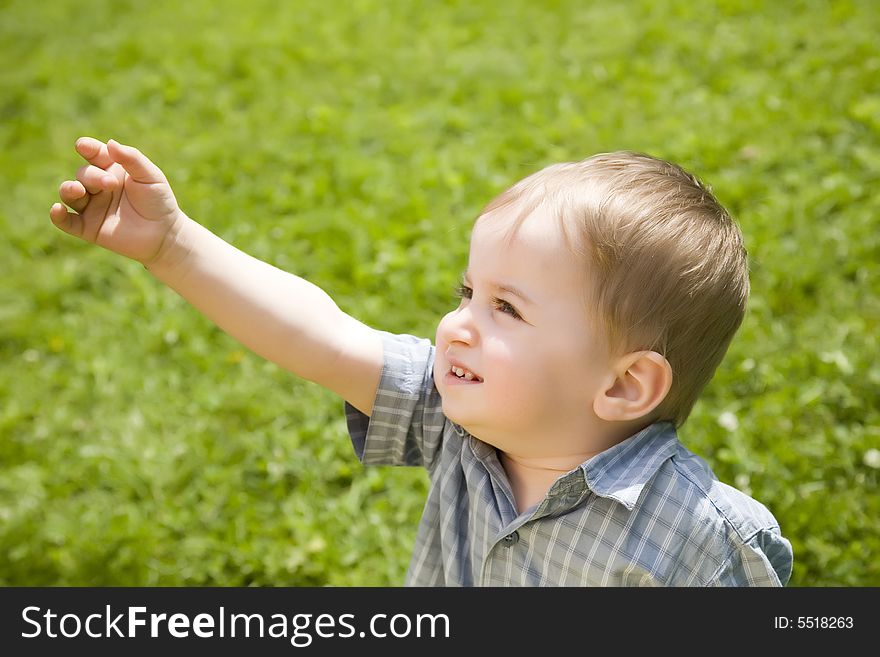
743, 514
406, 424
677, 522
735, 538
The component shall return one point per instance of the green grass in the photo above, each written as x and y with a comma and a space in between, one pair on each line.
353, 144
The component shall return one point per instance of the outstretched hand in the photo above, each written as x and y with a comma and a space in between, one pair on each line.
121, 201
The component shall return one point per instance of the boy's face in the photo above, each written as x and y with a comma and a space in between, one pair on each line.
538, 364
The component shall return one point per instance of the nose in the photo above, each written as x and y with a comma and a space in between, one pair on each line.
459, 326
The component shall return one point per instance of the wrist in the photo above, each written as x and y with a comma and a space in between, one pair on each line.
176, 248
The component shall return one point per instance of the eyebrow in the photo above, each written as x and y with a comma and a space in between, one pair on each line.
504, 287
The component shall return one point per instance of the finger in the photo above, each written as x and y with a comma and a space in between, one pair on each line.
67, 221
74, 195
94, 151
95, 179
138, 166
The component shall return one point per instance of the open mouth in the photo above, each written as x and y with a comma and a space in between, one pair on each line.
464, 374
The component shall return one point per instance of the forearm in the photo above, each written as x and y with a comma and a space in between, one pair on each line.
122, 201
279, 316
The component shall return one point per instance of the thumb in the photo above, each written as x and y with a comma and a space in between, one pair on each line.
135, 163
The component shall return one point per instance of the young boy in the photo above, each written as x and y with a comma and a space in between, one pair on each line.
599, 298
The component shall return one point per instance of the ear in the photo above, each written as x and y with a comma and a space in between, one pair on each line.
641, 382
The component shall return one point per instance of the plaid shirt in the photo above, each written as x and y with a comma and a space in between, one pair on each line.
646, 512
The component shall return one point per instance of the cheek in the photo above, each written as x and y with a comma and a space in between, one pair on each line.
538, 378
511, 369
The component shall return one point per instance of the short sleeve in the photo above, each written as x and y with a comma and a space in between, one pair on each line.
407, 422
765, 560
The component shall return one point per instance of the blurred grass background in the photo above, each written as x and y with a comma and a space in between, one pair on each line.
353, 143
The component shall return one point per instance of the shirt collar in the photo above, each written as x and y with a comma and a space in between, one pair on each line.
622, 471
619, 473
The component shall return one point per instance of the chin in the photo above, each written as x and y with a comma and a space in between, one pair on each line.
459, 418
467, 422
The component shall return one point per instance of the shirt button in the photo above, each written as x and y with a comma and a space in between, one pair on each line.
511, 539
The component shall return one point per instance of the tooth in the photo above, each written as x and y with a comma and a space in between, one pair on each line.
458, 371
469, 376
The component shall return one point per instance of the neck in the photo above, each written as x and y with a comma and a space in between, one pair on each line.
531, 477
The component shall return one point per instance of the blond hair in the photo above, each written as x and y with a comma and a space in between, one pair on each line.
666, 268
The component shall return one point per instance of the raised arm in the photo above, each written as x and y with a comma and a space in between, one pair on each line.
123, 202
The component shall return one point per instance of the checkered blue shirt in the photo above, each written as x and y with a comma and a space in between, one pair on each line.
646, 512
